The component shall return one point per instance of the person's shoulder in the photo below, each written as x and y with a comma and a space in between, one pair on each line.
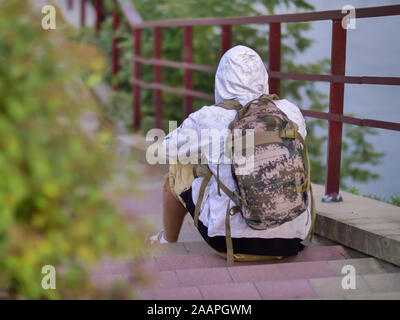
289, 108
212, 116
212, 108
288, 104
294, 113
209, 111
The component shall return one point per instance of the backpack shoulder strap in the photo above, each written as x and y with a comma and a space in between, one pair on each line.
269, 97
313, 216
234, 105
229, 105
228, 237
204, 183
233, 196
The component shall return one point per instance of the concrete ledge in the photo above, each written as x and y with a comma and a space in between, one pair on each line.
369, 226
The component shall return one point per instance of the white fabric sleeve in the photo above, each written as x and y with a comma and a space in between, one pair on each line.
293, 113
182, 143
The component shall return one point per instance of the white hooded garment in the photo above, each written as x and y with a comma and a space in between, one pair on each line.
241, 75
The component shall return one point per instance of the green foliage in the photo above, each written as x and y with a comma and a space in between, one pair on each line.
395, 200
206, 41
52, 168
359, 152
354, 190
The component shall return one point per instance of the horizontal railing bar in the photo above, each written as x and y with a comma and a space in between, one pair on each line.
307, 113
278, 74
395, 81
370, 12
130, 13
181, 91
350, 120
175, 64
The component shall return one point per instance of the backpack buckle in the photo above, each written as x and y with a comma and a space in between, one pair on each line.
239, 200
290, 133
302, 187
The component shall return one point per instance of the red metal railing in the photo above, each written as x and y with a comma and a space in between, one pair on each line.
337, 78
115, 50
100, 12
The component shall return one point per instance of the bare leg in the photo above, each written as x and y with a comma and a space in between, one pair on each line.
173, 214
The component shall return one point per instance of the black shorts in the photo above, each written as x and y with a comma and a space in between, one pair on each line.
255, 246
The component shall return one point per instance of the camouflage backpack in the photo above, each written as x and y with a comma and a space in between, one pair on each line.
277, 189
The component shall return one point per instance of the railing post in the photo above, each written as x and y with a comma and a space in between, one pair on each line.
83, 13
188, 74
99, 13
115, 50
70, 4
226, 38
157, 71
137, 38
338, 66
274, 56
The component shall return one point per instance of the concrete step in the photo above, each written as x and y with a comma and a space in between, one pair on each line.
198, 255
375, 296
177, 256
197, 245
366, 225
201, 247
269, 272
187, 256
316, 273
218, 286
368, 286
185, 248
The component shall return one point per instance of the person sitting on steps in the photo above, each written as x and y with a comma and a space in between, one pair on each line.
263, 214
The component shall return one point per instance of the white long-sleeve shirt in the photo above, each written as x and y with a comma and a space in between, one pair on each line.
241, 75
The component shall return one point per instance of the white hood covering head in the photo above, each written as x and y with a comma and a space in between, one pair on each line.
241, 75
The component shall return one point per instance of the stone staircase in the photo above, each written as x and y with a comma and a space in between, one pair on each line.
191, 270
